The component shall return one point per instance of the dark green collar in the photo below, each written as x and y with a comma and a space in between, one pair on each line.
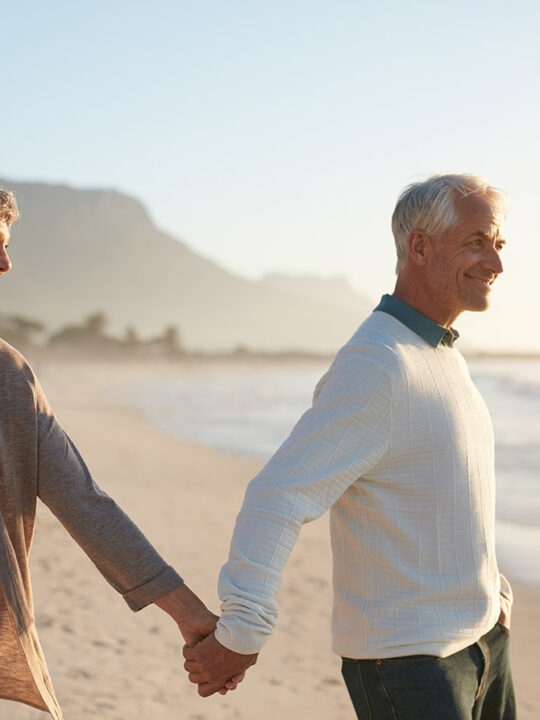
418, 323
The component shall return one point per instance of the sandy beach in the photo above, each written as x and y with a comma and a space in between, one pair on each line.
108, 662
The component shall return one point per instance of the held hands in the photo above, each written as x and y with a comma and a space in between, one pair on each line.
213, 667
195, 632
195, 622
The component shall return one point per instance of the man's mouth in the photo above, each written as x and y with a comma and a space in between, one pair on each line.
486, 283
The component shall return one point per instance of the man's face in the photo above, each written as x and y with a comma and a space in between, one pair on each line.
5, 262
466, 257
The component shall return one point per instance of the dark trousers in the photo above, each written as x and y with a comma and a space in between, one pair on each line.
473, 684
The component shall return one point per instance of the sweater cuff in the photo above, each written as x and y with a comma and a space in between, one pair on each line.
143, 595
234, 635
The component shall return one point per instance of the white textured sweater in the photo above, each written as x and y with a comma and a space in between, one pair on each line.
399, 444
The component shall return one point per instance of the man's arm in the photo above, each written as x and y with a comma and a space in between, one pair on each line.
338, 440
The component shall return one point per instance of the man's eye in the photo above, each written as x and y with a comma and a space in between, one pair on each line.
477, 242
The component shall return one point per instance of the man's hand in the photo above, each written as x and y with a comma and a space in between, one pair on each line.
211, 665
195, 622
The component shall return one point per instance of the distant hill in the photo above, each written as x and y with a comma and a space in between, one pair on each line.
75, 252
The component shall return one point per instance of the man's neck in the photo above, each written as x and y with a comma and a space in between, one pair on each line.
416, 296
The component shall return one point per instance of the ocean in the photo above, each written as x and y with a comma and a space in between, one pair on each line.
247, 410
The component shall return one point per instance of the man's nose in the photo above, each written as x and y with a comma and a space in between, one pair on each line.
493, 261
5, 262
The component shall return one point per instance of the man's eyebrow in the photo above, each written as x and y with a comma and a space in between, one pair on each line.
489, 236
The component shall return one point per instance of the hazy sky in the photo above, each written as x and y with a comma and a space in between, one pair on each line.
276, 135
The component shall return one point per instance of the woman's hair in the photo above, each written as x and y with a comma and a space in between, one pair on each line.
9, 212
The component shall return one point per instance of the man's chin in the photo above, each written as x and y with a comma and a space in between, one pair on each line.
479, 304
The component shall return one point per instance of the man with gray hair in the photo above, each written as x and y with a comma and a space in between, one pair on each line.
398, 444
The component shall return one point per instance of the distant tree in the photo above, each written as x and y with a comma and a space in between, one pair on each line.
131, 344
89, 339
69, 335
171, 339
20, 331
241, 351
131, 336
25, 325
89, 336
96, 323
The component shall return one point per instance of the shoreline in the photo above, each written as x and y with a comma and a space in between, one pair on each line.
515, 534
106, 661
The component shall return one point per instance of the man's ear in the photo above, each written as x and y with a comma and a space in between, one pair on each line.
419, 247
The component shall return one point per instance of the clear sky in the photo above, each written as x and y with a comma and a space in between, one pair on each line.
275, 135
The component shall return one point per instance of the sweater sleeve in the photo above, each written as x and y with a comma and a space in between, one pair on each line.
112, 541
334, 443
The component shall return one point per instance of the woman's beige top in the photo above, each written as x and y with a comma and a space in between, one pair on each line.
37, 459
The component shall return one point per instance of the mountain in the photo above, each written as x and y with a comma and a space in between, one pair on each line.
75, 252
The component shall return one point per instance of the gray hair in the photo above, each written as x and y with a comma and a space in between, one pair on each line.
429, 206
9, 212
